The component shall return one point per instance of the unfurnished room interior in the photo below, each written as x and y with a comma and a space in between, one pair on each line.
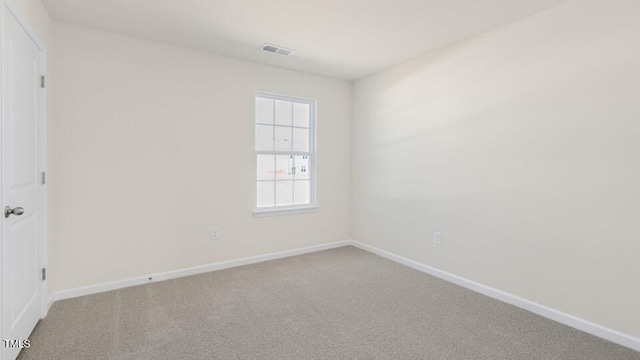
320, 179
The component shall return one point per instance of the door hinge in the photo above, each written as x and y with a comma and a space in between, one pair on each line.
44, 274
44, 177
42, 81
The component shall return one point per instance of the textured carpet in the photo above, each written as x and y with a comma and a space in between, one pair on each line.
337, 304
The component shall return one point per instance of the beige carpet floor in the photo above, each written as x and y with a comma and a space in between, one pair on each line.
337, 304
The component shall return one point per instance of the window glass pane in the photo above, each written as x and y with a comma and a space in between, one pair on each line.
284, 167
302, 191
283, 139
264, 138
266, 165
303, 170
265, 193
264, 110
283, 126
284, 193
301, 140
283, 112
301, 115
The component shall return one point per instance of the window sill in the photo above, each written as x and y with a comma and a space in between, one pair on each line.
284, 211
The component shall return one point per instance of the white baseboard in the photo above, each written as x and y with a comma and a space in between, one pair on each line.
547, 312
94, 289
50, 302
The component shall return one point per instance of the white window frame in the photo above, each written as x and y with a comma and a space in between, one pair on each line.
313, 158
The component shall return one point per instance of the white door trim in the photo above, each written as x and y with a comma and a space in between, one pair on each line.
42, 139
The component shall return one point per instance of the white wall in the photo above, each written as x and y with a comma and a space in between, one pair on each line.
521, 146
37, 16
154, 145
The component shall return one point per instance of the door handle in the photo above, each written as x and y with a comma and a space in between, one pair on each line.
8, 211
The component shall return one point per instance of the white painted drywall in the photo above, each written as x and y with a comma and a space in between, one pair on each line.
154, 146
37, 17
342, 39
522, 147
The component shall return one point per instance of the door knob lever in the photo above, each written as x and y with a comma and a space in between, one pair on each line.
8, 211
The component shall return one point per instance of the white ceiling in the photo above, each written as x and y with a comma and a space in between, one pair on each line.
345, 39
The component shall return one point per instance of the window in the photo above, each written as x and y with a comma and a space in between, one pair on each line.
285, 154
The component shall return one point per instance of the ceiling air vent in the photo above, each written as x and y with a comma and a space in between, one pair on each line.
279, 50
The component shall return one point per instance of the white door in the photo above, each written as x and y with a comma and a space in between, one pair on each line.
22, 190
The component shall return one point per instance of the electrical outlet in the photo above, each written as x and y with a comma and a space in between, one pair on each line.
215, 233
437, 238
